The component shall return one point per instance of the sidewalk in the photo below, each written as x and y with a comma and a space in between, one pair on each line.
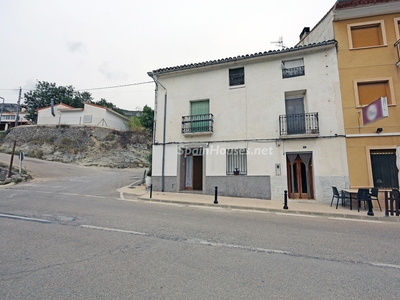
304, 207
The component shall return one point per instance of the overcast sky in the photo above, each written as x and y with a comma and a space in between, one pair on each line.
97, 43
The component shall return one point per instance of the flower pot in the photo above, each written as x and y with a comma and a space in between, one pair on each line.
235, 172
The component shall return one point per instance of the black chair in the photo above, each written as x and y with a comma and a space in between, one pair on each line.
336, 196
374, 196
363, 195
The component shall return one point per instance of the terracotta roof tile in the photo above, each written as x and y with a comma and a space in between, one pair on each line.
238, 58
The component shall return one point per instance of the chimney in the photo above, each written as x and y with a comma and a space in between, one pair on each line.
304, 33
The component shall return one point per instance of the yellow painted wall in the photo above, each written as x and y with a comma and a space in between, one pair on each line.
369, 63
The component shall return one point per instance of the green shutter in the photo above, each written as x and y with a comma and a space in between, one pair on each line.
200, 123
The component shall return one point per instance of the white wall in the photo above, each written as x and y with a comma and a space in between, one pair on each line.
323, 31
46, 118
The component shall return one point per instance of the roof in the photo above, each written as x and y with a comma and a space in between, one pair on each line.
343, 4
58, 104
240, 58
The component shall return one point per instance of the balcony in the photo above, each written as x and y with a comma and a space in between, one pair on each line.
299, 124
198, 124
293, 72
397, 44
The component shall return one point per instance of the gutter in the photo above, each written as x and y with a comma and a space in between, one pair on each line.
154, 77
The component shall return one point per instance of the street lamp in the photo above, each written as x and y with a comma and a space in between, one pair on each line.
1, 110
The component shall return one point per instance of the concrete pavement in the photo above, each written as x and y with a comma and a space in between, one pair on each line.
303, 207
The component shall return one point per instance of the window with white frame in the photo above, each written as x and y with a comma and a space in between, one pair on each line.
293, 68
236, 161
367, 34
369, 90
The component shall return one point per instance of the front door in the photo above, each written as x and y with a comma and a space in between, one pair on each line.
299, 170
194, 171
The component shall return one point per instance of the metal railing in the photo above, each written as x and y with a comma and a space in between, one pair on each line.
397, 44
298, 124
197, 123
293, 72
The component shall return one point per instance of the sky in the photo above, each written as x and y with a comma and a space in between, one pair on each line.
107, 47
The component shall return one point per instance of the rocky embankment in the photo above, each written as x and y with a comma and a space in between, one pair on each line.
83, 145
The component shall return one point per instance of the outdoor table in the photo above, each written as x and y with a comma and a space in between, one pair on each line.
353, 195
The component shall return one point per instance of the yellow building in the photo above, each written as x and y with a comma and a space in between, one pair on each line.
368, 57
368, 49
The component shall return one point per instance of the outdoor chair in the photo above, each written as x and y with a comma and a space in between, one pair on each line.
336, 196
374, 196
362, 195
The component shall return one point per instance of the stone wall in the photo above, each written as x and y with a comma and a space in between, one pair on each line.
83, 145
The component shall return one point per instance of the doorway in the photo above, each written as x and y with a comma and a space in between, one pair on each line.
300, 175
193, 164
295, 116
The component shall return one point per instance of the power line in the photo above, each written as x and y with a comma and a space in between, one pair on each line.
115, 86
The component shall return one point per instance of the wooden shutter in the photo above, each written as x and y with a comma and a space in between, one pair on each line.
371, 91
366, 36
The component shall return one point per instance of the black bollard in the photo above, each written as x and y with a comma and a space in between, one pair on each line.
370, 208
216, 195
151, 190
285, 200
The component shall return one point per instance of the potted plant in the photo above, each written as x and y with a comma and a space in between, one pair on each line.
236, 172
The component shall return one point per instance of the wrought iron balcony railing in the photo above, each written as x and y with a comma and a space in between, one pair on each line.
397, 44
293, 72
197, 123
298, 124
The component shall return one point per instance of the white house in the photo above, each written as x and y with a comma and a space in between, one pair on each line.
90, 114
253, 125
9, 113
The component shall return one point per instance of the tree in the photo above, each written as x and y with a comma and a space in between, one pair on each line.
44, 92
147, 118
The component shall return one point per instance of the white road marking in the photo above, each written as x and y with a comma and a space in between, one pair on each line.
114, 230
127, 200
69, 194
386, 265
44, 192
94, 196
355, 220
24, 218
297, 215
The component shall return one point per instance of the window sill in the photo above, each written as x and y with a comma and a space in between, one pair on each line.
369, 47
197, 133
233, 87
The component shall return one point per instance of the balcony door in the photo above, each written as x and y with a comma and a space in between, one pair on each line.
295, 116
199, 111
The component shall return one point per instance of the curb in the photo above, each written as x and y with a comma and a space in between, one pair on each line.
392, 219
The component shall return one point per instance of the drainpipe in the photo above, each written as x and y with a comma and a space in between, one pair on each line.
154, 77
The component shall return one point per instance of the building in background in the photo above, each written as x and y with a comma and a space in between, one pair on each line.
9, 113
89, 115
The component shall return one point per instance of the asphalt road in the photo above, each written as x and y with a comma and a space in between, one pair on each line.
69, 235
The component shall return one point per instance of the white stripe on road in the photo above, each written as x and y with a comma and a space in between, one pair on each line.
355, 220
68, 194
114, 229
24, 218
386, 265
94, 196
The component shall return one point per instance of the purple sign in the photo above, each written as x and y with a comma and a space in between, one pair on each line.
375, 111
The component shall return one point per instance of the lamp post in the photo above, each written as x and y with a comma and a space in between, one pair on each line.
1, 110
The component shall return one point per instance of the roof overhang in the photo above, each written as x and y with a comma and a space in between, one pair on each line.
366, 11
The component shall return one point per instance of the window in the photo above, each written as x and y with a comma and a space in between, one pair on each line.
367, 91
236, 76
200, 118
87, 119
8, 117
368, 34
236, 161
293, 68
397, 28
384, 170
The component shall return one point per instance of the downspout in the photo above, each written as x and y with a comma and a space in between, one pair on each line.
154, 77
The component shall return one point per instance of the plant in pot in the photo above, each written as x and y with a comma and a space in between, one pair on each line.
236, 172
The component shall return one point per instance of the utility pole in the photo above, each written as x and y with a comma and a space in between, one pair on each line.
18, 107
